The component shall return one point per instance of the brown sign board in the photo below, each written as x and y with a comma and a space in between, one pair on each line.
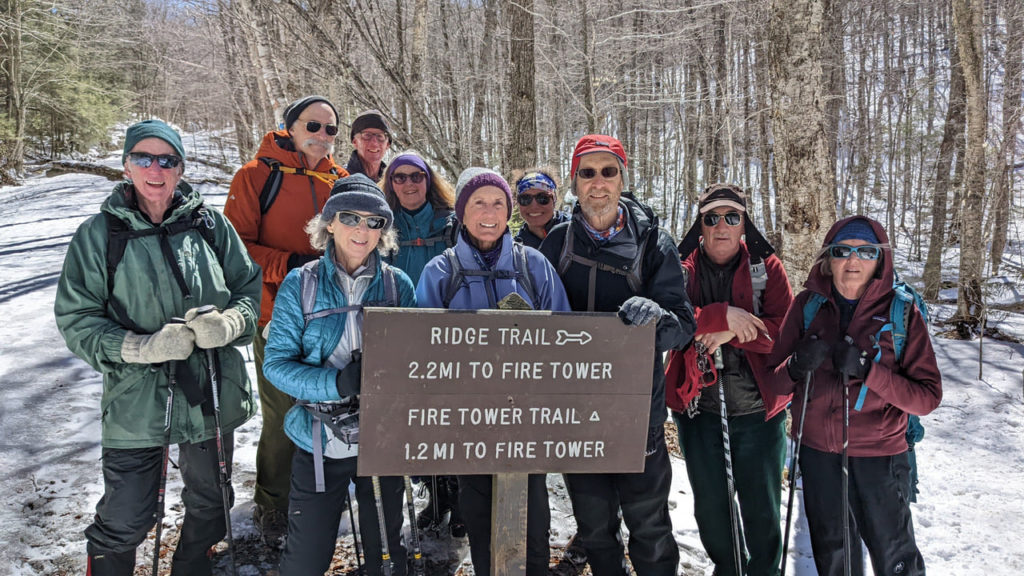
493, 392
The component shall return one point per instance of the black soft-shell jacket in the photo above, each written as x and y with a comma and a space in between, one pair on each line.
661, 274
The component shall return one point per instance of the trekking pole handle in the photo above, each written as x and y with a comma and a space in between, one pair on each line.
719, 363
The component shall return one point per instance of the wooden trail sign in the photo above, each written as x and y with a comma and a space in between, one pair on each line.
491, 392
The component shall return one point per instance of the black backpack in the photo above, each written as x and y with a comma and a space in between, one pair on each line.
119, 233
273, 183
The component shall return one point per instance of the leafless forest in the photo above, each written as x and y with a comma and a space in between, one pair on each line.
906, 110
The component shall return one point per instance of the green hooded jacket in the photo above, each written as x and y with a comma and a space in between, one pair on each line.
135, 395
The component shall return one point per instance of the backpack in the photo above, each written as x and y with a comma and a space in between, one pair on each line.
277, 171
119, 233
341, 417
521, 272
633, 273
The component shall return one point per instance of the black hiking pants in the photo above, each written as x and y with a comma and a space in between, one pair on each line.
643, 499
879, 513
124, 515
313, 517
475, 494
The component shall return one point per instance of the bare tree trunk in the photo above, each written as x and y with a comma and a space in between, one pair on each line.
799, 81
15, 104
589, 100
1012, 112
521, 111
954, 125
480, 87
967, 23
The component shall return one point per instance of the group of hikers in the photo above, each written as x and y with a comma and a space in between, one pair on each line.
159, 290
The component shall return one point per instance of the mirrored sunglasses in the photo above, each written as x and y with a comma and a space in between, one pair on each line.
843, 251
527, 199
352, 219
313, 127
416, 177
731, 218
606, 172
144, 160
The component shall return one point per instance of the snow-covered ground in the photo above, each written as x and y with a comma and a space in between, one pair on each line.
968, 519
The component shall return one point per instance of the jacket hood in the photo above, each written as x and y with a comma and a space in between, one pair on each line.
757, 244
278, 145
820, 279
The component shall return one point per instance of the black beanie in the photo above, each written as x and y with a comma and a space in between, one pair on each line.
291, 113
369, 119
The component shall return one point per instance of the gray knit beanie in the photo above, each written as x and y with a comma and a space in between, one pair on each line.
471, 180
357, 193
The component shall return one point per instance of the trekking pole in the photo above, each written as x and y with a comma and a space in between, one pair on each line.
847, 548
793, 463
729, 479
161, 492
385, 554
418, 569
355, 538
225, 478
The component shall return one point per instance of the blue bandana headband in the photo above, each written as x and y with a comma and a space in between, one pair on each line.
537, 180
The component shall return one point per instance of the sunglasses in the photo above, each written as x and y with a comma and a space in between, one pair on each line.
352, 220
313, 127
527, 199
842, 251
144, 160
373, 136
731, 218
606, 172
415, 177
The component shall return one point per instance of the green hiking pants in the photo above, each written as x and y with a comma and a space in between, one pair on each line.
758, 453
275, 449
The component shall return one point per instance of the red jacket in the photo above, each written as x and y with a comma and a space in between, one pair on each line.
894, 391
272, 237
712, 318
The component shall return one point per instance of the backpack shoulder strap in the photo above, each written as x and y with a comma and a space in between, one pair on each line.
758, 282
524, 274
454, 277
387, 273
811, 308
310, 285
565, 256
272, 185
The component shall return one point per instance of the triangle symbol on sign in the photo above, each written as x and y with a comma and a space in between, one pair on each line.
594, 417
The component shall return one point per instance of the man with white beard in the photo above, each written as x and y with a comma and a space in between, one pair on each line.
271, 199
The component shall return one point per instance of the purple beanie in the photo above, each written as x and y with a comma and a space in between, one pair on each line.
471, 180
409, 159
857, 229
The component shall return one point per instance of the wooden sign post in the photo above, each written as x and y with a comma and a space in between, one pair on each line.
505, 393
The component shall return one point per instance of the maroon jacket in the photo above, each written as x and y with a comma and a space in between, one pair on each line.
893, 390
712, 318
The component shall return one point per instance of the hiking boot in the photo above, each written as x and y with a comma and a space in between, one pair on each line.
272, 524
457, 528
575, 553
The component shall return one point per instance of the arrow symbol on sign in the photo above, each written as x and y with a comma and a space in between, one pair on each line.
566, 337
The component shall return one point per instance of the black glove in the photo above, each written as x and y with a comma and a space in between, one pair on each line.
807, 356
850, 360
639, 311
295, 259
349, 378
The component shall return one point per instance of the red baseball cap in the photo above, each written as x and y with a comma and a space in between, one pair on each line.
596, 143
